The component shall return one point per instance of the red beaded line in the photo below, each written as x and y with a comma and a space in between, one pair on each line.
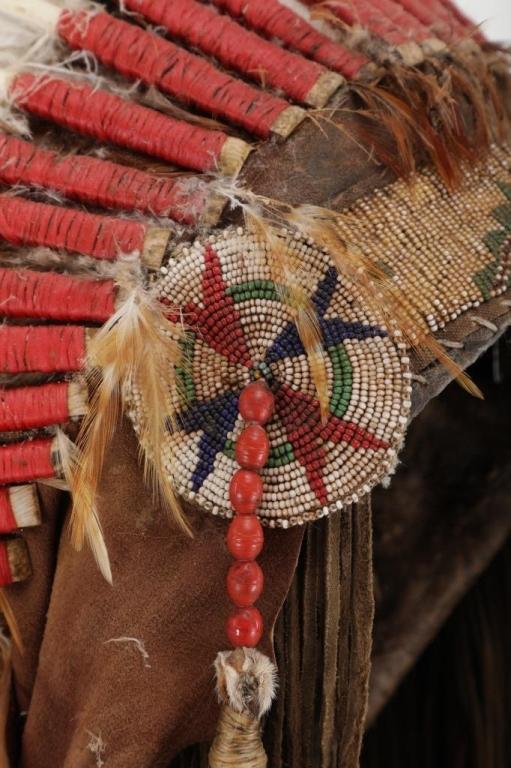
34, 407
41, 348
110, 118
149, 58
245, 534
5, 566
234, 46
23, 462
101, 182
50, 296
23, 222
277, 21
8, 521
384, 18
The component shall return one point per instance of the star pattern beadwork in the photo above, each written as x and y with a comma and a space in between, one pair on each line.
239, 328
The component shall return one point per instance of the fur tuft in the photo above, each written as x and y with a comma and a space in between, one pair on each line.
246, 681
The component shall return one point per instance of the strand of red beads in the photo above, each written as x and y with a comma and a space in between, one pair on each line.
245, 538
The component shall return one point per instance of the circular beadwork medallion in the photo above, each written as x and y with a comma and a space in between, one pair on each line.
238, 328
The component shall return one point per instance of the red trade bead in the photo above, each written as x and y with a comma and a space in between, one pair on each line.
244, 627
245, 537
244, 583
252, 447
256, 403
245, 491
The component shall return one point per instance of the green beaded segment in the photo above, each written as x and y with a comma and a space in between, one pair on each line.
184, 380
342, 383
498, 241
255, 289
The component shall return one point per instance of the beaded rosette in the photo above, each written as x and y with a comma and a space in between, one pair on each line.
238, 329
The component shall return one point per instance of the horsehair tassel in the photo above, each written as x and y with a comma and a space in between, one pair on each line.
235, 47
50, 296
42, 348
275, 20
41, 406
103, 183
110, 118
24, 462
19, 508
14, 561
24, 222
246, 678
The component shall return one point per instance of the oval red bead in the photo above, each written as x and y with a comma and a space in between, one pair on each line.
245, 537
257, 403
245, 491
245, 627
252, 447
245, 583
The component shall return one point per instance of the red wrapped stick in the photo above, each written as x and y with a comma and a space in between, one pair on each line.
50, 296
19, 508
276, 20
23, 222
384, 18
14, 561
41, 406
42, 348
437, 17
144, 56
101, 182
234, 46
29, 460
110, 118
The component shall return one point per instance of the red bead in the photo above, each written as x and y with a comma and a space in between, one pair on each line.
252, 447
245, 537
245, 583
257, 403
245, 491
245, 627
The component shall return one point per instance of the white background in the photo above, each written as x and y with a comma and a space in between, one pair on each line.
496, 15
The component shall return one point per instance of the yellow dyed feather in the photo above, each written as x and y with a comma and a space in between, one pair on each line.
135, 351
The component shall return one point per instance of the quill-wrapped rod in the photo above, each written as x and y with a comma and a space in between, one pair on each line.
24, 222
103, 183
276, 20
110, 118
41, 406
19, 508
50, 296
42, 348
144, 56
240, 49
